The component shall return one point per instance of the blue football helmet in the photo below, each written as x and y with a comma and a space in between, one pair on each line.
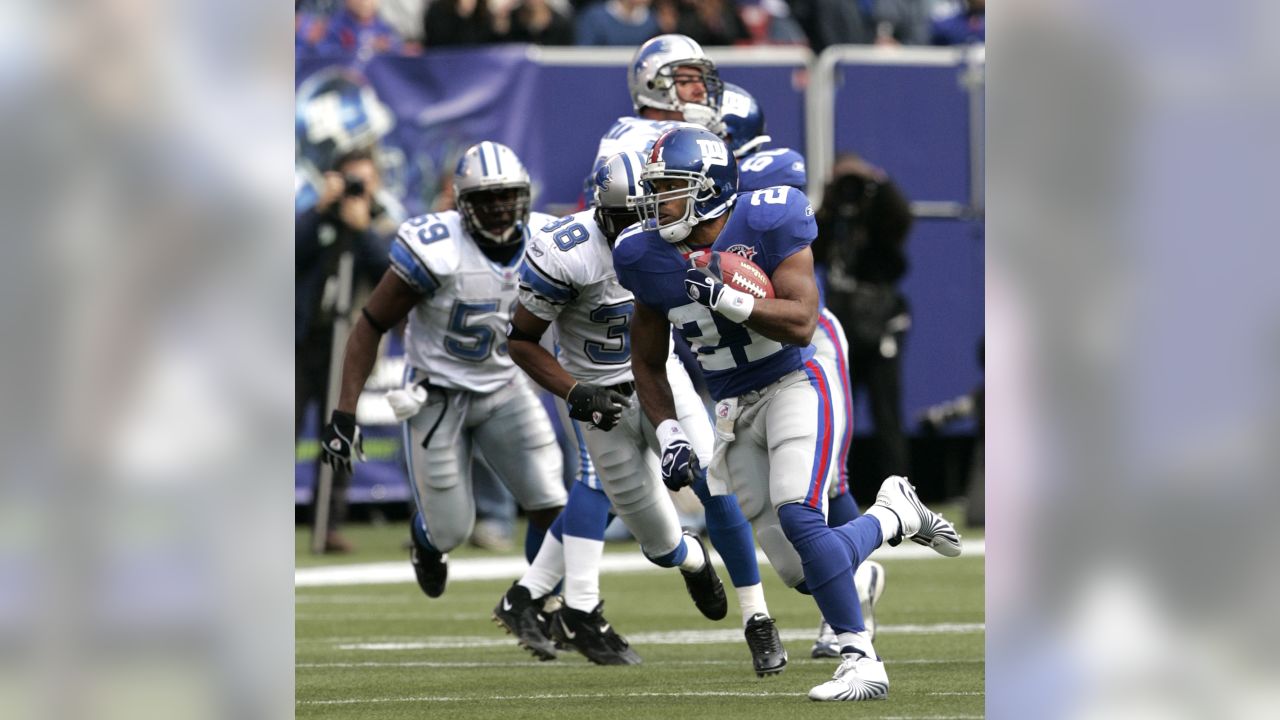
696, 159
336, 112
743, 121
613, 184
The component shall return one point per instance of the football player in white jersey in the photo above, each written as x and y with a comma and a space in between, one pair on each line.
454, 275
744, 133
568, 279
773, 411
672, 82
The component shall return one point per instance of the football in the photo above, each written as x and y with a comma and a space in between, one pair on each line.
735, 271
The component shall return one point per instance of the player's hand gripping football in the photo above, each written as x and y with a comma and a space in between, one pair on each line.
341, 437
704, 286
680, 466
597, 405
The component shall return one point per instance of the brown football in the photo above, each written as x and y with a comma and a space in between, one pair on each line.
735, 271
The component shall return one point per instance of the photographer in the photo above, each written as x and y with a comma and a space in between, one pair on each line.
862, 232
346, 218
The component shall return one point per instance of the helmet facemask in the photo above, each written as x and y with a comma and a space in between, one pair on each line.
694, 187
706, 112
494, 216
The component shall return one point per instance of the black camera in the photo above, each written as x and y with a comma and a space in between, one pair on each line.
353, 186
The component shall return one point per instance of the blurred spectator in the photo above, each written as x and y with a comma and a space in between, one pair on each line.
967, 26
902, 22
358, 29
532, 21
709, 22
457, 22
769, 22
345, 218
406, 17
834, 22
309, 29
862, 231
616, 22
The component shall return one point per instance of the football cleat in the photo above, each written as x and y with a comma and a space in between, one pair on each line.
868, 579
767, 654
859, 677
590, 634
919, 523
705, 587
518, 614
826, 645
430, 568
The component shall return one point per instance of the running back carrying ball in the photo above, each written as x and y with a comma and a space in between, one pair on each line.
735, 271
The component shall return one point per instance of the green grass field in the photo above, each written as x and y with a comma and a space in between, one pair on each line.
386, 651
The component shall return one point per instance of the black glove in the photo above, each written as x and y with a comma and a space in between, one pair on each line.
680, 466
340, 437
597, 405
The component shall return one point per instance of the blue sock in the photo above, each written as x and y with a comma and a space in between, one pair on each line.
730, 534
673, 558
418, 526
841, 509
828, 565
533, 541
586, 513
862, 535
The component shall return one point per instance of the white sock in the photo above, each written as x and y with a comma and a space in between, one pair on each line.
695, 558
547, 568
861, 641
890, 525
751, 600
582, 572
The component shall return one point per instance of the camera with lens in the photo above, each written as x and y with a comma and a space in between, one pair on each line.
353, 186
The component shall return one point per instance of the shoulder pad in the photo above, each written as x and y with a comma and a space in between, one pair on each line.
435, 239
770, 207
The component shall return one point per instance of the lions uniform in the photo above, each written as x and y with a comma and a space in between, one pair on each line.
568, 279
456, 347
633, 134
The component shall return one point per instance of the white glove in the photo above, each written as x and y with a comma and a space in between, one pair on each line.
406, 402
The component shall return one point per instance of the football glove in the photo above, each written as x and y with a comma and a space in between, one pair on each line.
597, 405
680, 466
705, 288
340, 439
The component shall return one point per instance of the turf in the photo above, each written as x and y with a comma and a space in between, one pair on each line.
386, 651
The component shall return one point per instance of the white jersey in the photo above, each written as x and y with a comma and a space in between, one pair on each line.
567, 279
634, 134
457, 333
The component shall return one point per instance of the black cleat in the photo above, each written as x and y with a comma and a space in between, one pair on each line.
430, 567
519, 615
591, 635
767, 654
705, 587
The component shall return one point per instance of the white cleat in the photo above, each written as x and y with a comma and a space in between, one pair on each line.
859, 677
922, 525
826, 645
868, 579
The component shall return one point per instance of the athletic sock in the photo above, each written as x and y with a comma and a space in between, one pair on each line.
841, 509
694, 557
547, 568
751, 601
890, 524
586, 516
863, 535
730, 535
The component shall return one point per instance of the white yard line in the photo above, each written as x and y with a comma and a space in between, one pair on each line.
505, 568
593, 696
661, 663
673, 637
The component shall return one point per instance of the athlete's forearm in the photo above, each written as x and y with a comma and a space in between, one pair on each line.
654, 390
541, 366
787, 321
357, 362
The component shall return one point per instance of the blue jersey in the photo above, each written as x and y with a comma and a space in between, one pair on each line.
768, 168
766, 227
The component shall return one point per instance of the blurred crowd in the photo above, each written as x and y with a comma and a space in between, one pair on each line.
368, 27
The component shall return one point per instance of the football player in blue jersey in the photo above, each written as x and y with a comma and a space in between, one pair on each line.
773, 410
744, 133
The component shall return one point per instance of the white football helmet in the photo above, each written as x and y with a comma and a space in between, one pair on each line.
492, 189
652, 83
